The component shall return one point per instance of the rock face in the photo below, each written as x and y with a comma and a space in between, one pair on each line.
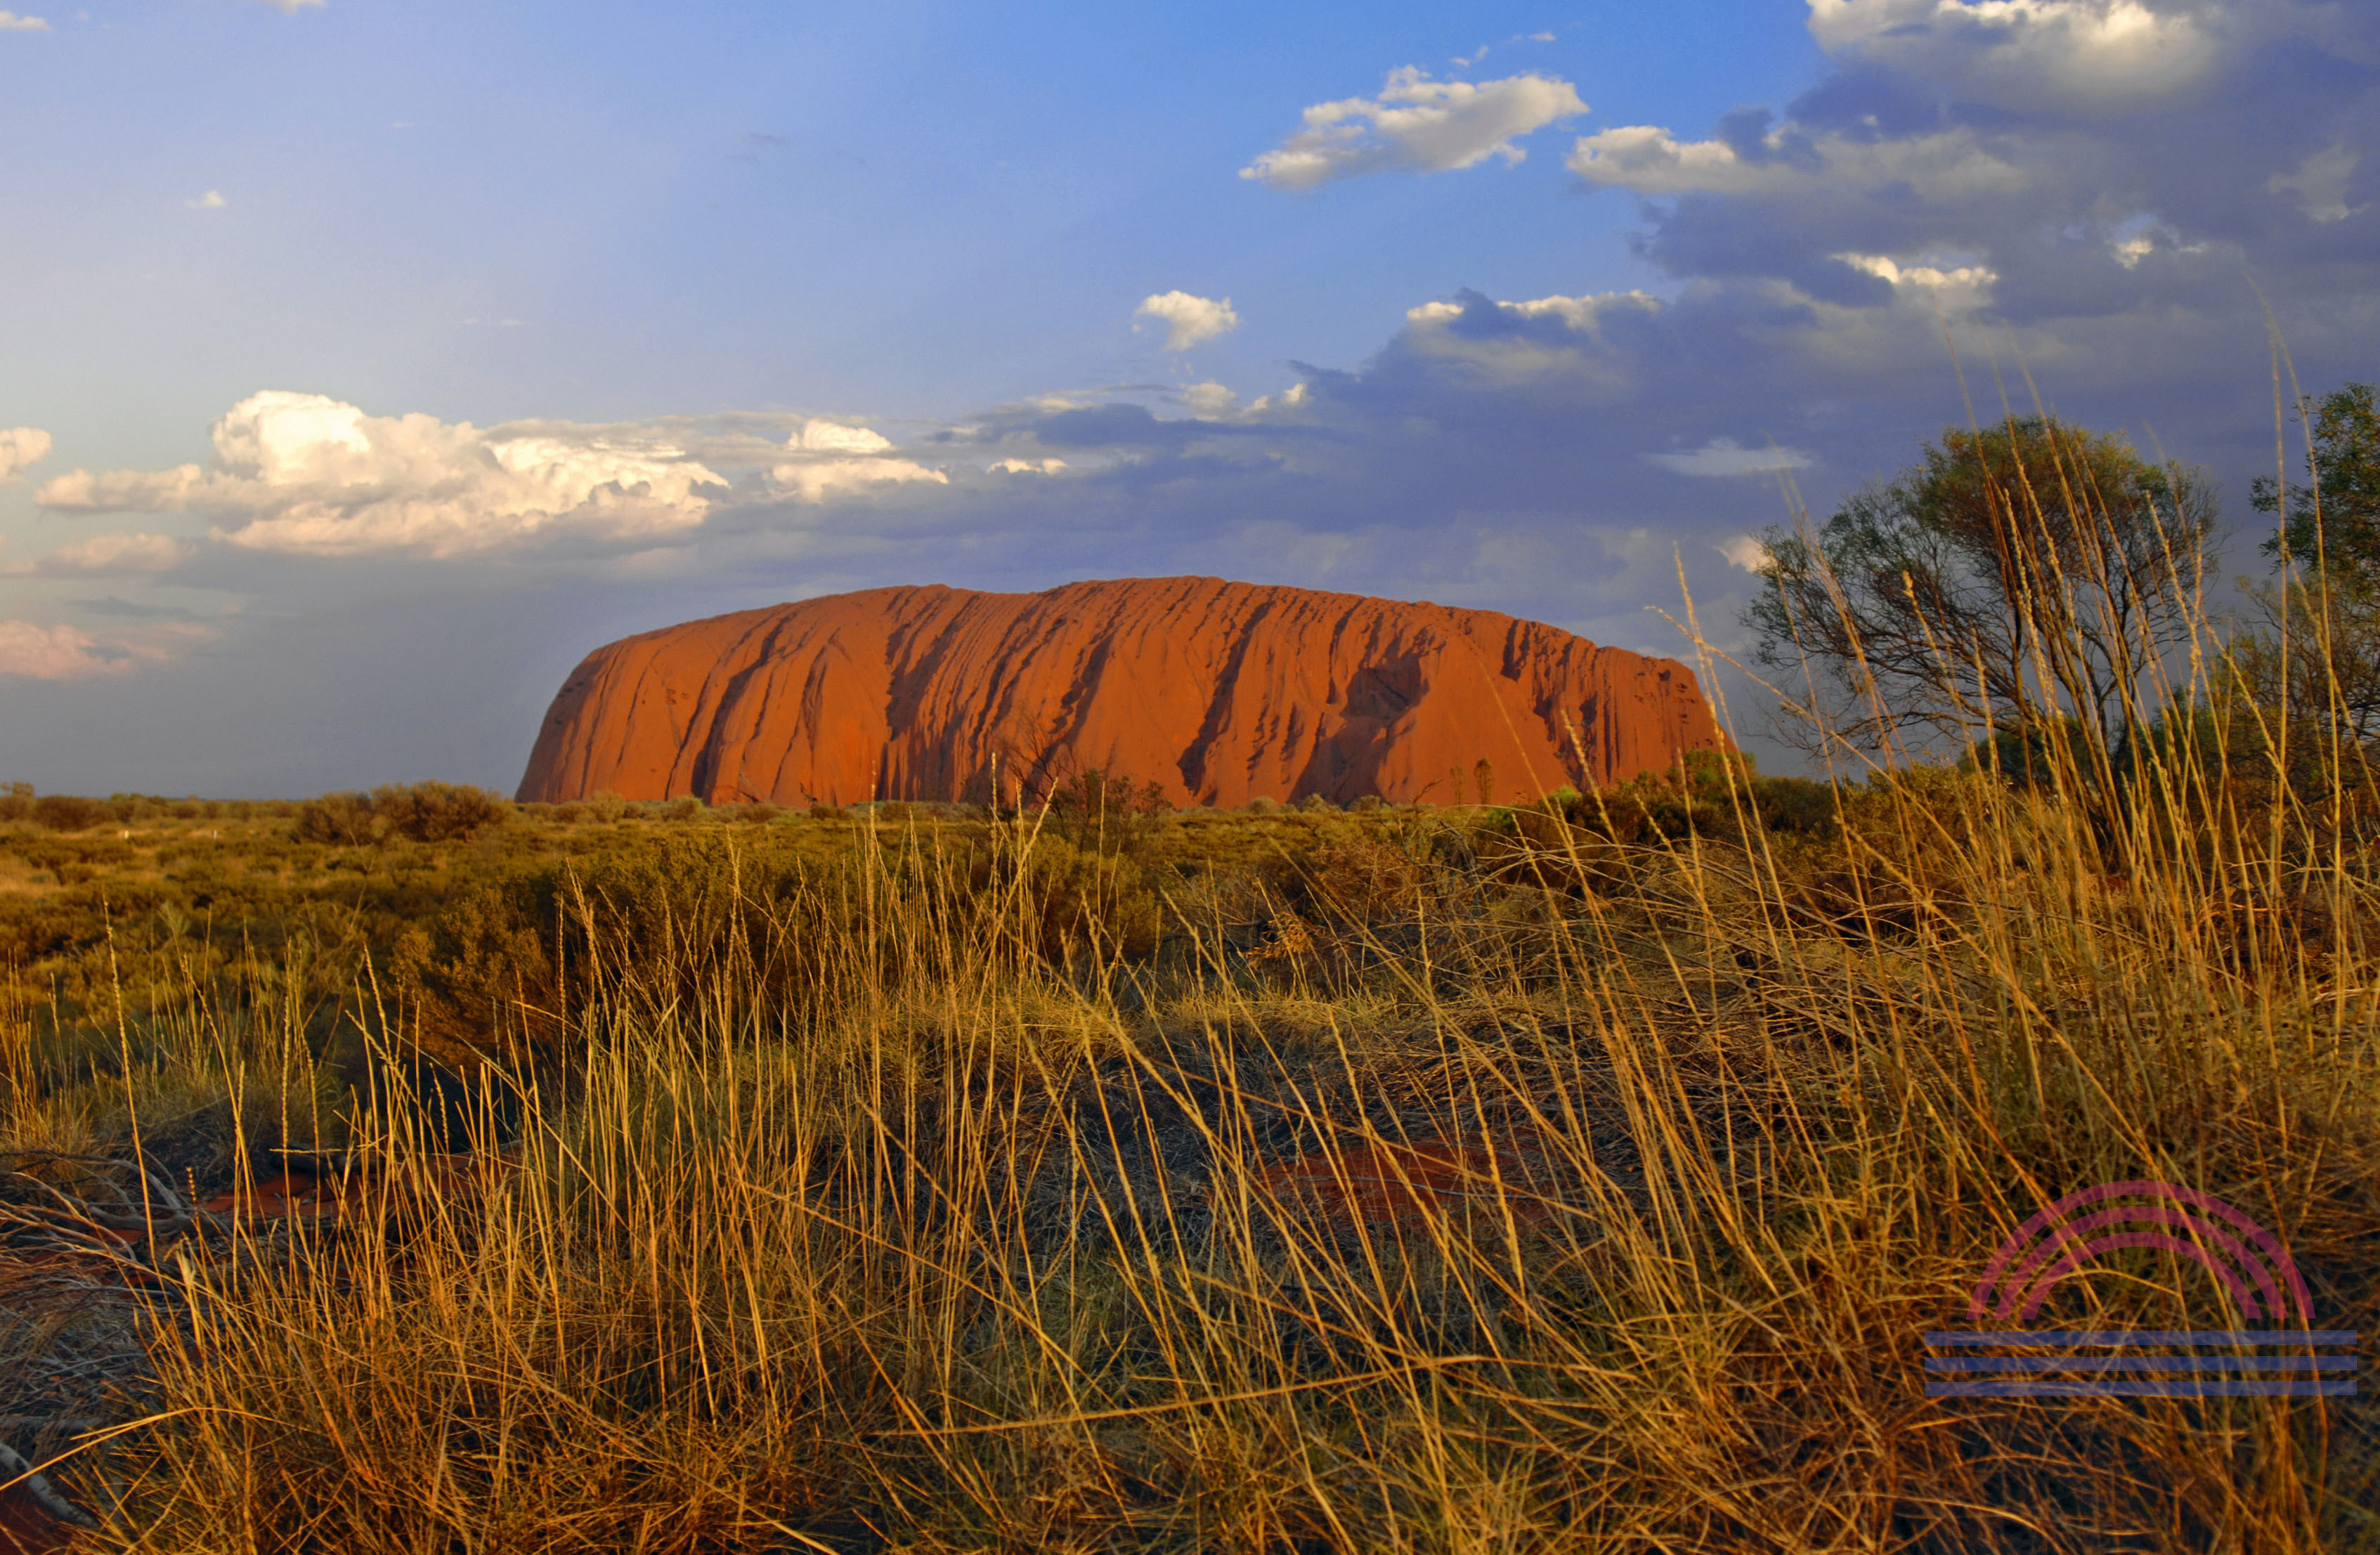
1218, 692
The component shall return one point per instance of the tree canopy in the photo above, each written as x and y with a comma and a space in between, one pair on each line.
2333, 521
2014, 577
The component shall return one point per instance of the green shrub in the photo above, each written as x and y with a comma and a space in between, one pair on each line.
1106, 814
440, 812
337, 821
63, 812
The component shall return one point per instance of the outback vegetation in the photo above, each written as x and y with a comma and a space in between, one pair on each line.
412, 1171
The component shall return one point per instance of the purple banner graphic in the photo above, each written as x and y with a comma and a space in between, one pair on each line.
2247, 1260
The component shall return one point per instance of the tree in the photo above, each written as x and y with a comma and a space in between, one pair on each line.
2333, 522
2014, 577
2317, 660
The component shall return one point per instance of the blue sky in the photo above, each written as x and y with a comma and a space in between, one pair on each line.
366, 364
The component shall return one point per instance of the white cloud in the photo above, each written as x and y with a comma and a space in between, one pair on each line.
1187, 319
57, 652
1580, 314
306, 473
291, 8
2135, 238
1744, 551
1521, 341
211, 200
1724, 455
122, 490
2320, 182
20, 447
843, 461
1418, 124
1541, 37
11, 23
1028, 466
1964, 277
835, 437
1210, 401
104, 554
1949, 166
2095, 57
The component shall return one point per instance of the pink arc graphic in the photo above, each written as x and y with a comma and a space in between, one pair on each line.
2025, 1273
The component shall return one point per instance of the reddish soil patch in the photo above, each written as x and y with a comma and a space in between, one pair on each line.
291, 1195
1386, 1184
302, 1194
26, 1529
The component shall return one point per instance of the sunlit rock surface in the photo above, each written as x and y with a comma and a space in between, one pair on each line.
1218, 692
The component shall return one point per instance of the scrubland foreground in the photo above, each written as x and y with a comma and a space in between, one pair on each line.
1578, 1176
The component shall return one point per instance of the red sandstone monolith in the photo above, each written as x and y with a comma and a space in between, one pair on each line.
1217, 692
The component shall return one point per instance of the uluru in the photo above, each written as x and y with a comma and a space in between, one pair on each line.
1217, 692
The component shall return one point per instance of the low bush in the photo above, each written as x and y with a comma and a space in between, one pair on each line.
337, 821
63, 812
439, 812
422, 812
1105, 814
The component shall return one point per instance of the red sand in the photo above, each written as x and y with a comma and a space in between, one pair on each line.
1385, 1183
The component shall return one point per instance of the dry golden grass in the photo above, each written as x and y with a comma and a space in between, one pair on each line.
945, 1245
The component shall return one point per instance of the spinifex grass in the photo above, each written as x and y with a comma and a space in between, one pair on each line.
940, 1248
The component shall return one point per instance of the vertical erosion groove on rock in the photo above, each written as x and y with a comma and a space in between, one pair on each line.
1217, 692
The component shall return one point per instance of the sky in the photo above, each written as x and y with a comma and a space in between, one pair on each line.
365, 365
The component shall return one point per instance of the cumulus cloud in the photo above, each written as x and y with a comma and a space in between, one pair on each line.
1724, 455
305, 473
1187, 319
211, 200
1946, 277
839, 460
818, 436
57, 652
20, 447
1744, 552
1511, 345
2070, 167
1951, 166
2319, 182
1210, 401
1028, 467
122, 490
11, 23
1418, 125
2098, 56
106, 554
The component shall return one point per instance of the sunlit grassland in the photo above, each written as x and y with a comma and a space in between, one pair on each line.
939, 1186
